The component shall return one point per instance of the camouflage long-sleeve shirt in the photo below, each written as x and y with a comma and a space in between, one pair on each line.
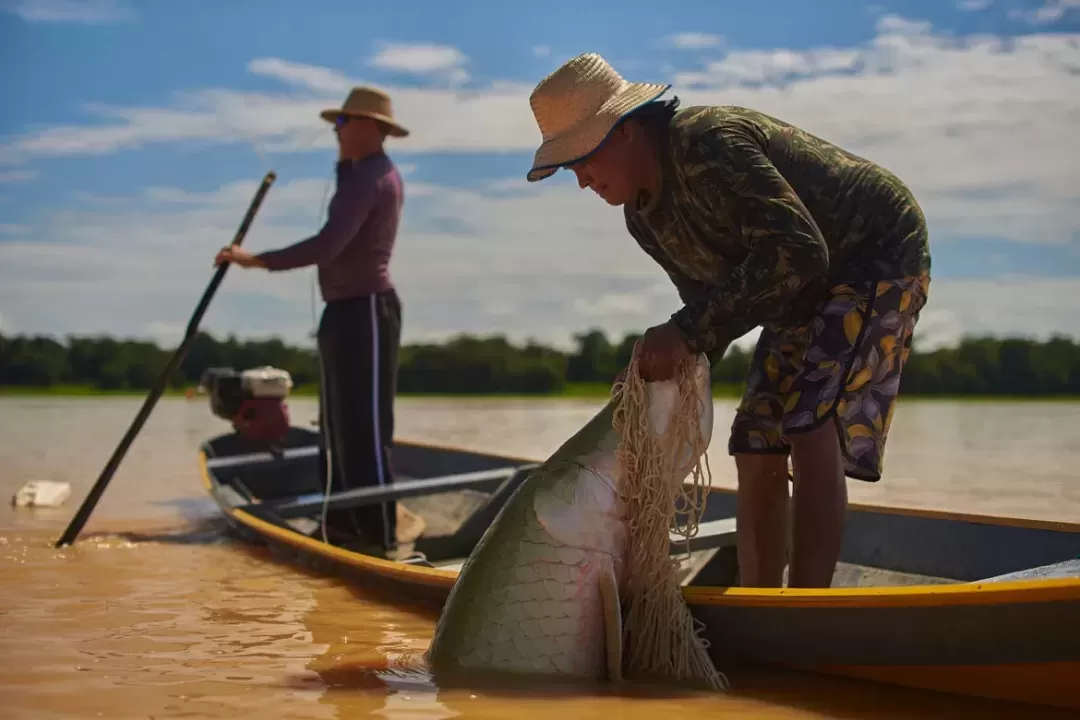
755, 219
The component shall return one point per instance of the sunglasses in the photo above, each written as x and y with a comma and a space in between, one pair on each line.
341, 121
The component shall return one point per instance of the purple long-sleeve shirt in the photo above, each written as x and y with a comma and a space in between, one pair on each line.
353, 248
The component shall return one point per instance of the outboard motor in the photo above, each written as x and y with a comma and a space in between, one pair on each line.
252, 400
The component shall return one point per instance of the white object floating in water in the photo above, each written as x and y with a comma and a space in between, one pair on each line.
42, 493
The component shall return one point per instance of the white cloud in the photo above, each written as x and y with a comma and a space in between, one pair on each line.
693, 40
947, 114
90, 12
310, 77
976, 125
769, 67
96, 269
423, 59
1051, 12
418, 57
973, 5
542, 261
441, 119
1006, 305
542, 51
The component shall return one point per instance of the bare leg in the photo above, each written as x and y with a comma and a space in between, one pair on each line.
762, 519
819, 506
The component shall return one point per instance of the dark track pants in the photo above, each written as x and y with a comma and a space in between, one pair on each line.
358, 341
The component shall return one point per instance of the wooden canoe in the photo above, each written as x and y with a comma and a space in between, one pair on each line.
976, 605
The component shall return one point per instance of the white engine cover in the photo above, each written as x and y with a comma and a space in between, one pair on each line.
266, 382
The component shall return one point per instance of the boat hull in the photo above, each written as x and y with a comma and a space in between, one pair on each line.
1012, 641
934, 619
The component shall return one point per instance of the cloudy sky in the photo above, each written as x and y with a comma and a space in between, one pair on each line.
133, 134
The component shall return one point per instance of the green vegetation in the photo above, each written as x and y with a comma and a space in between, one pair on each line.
492, 366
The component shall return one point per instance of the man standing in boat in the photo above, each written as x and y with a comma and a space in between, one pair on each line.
360, 330
760, 224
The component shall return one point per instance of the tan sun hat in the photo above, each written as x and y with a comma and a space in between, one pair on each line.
577, 106
367, 102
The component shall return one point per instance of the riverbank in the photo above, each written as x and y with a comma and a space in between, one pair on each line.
571, 390
977, 368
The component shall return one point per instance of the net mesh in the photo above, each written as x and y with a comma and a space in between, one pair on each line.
660, 637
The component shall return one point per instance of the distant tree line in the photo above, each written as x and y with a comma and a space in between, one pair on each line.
488, 365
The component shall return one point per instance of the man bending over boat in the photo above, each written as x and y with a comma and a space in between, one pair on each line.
760, 224
360, 330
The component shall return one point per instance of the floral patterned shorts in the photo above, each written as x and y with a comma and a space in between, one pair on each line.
845, 362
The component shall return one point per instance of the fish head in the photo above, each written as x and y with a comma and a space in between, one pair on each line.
663, 401
579, 505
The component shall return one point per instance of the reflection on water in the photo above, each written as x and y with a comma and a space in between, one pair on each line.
157, 613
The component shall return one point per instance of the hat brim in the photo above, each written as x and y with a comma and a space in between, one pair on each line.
585, 139
393, 128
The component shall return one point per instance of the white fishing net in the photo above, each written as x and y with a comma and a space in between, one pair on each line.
660, 637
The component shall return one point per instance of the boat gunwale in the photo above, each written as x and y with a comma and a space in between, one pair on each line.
888, 596
902, 510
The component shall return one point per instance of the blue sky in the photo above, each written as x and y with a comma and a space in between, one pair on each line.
133, 135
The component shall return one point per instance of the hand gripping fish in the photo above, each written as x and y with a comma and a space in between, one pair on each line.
539, 594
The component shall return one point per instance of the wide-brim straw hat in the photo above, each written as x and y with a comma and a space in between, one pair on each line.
367, 102
577, 106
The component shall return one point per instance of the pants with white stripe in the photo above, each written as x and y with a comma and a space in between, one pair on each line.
359, 339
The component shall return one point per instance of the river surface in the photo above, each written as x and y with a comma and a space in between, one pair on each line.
156, 613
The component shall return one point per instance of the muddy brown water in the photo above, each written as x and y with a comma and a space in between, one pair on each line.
157, 613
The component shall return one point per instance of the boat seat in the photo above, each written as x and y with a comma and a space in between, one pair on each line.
259, 460
314, 504
710, 535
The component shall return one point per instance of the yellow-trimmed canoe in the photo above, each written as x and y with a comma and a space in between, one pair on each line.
969, 604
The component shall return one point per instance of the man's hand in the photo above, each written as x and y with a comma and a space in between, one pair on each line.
662, 349
237, 256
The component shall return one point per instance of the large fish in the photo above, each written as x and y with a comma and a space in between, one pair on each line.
539, 594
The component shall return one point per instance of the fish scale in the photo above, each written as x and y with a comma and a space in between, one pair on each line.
541, 605
530, 599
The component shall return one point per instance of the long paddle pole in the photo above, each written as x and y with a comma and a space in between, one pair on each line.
92, 498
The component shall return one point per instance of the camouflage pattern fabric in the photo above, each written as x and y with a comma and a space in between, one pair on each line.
755, 219
846, 362
759, 223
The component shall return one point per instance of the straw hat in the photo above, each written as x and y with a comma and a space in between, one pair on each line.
367, 102
577, 106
